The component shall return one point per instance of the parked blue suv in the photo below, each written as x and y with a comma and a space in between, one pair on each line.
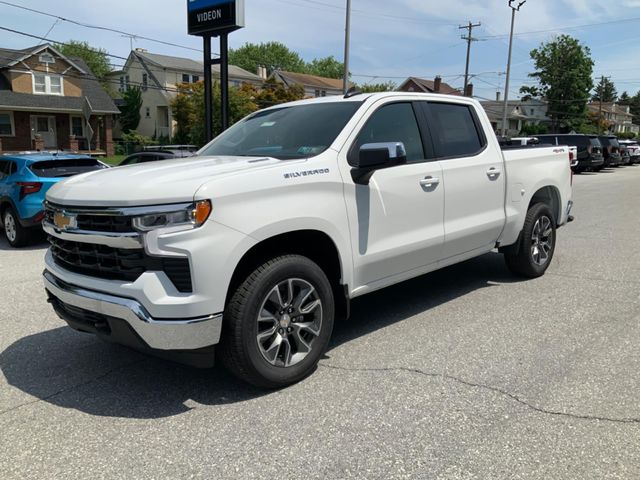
24, 181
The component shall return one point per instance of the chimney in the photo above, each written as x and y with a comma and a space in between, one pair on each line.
262, 72
469, 91
497, 96
437, 83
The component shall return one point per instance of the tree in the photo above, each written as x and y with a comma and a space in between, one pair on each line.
624, 99
95, 58
605, 91
273, 55
188, 106
564, 71
377, 87
130, 110
326, 67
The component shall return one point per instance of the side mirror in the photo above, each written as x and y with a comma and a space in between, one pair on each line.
376, 156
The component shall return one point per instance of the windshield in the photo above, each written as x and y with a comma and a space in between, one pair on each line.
285, 133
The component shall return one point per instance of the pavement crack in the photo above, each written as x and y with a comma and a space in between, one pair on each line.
497, 390
72, 387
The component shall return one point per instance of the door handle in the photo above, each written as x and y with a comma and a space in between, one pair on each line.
493, 173
428, 182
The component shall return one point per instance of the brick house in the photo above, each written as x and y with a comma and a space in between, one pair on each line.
45, 99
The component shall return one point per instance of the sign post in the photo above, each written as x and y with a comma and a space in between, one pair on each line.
87, 110
213, 18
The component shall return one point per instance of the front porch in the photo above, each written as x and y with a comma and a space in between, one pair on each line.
42, 131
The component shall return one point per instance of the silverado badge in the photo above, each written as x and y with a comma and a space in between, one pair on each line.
64, 221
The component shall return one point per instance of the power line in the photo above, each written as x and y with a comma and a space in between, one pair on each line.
555, 30
99, 27
368, 13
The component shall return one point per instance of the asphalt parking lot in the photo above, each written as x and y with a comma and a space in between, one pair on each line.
464, 373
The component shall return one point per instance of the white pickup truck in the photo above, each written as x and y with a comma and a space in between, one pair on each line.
257, 245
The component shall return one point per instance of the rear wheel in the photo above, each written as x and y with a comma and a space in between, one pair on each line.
537, 244
278, 323
15, 233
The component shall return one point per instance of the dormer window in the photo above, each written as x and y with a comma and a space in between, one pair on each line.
47, 84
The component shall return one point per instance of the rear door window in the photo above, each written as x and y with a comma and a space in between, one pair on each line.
65, 167
455, 130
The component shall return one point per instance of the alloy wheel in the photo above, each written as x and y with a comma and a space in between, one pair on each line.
541, 240
289, 322
10, 229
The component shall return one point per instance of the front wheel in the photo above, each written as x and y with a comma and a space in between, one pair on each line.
538, 243
278, 322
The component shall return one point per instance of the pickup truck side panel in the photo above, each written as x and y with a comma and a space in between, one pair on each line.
529, 171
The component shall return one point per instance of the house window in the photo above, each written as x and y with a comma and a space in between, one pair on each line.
126, 82
77, 126
47, 58
185, 78
195, 78
6, 124
122, 84
147, 112
47, 84
145, 81
317, 93
323, 93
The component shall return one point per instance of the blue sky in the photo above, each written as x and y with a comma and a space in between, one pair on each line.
390, 39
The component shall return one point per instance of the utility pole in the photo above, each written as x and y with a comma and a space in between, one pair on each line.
347, 39
514, 9
469, 38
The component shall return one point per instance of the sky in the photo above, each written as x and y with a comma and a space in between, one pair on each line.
390, 40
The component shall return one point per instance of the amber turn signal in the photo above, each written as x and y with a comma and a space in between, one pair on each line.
201, 212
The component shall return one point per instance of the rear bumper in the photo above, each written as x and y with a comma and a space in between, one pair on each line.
126, 321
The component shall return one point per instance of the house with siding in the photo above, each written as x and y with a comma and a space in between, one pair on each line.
619, 117
314, 86
52, 102
158, 76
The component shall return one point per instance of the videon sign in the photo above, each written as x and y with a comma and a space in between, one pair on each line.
212, 17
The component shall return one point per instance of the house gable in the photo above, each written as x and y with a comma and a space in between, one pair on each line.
44, 60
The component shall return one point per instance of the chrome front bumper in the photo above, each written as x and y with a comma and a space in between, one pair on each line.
158, 334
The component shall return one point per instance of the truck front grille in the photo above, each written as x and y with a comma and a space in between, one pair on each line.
99, 223
110, 263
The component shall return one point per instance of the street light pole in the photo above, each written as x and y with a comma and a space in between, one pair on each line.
347, 36
505, 127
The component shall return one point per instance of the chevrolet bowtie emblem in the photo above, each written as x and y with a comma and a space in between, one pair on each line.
64, 221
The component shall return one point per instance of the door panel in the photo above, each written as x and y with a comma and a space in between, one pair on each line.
397, 222
397, 219
473, 177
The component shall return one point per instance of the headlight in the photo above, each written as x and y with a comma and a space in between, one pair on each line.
191, 217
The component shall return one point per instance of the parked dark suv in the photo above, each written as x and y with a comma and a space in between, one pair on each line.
166, 152
611, 150
589, 149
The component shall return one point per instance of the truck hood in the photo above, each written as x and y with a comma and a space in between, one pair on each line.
161, 182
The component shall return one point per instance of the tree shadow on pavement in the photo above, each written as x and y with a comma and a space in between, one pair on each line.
78, 371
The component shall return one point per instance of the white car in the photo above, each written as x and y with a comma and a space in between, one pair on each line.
257, 245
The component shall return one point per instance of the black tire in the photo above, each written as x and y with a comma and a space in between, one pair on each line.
524, 263
239, 349
17, 235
